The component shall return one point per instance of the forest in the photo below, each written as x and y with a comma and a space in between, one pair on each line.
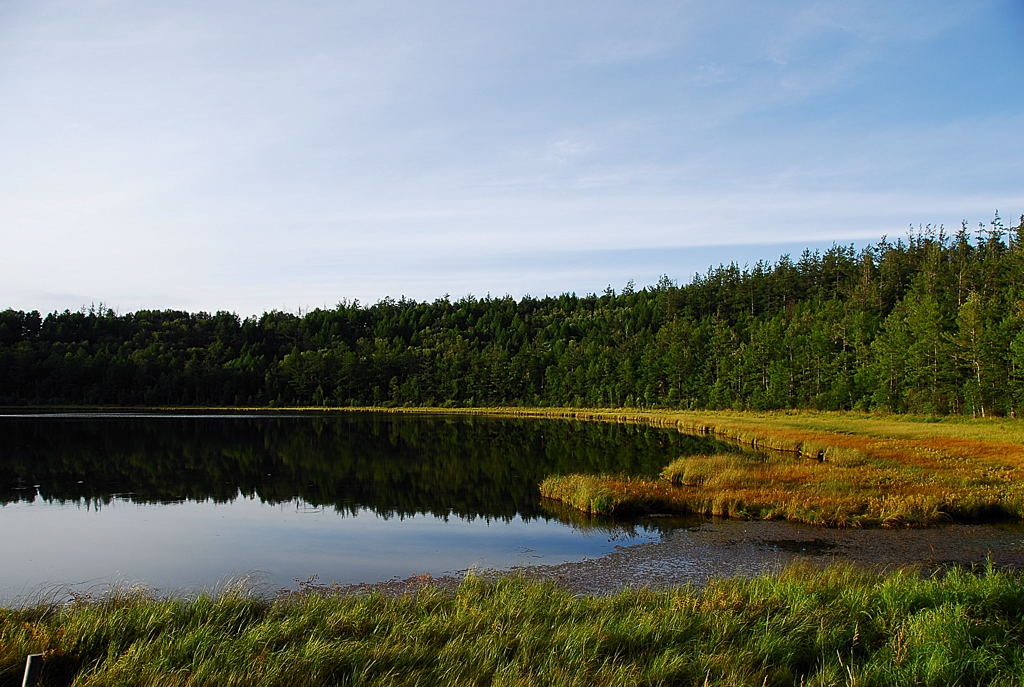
931, 323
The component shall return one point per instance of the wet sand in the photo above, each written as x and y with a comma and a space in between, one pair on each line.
735, 548
729, 548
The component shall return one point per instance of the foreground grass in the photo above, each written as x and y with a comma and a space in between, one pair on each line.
833, 626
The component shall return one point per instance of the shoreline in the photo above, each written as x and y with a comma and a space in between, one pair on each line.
727, 548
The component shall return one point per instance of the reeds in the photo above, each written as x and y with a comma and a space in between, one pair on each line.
809, 626
786, 487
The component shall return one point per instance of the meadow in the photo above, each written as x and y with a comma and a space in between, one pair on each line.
809, 626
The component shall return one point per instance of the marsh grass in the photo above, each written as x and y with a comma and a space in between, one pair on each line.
610, 494
713, 471
837, 469
797, 490
784, 486
811, 626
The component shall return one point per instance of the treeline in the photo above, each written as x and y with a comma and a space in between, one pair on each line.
933, 323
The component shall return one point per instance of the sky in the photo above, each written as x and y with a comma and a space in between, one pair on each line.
257, 155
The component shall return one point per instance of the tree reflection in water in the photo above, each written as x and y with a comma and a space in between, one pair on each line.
395, 466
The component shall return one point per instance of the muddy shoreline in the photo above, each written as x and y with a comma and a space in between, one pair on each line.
729, 548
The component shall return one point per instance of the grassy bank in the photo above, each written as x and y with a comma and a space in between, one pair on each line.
836, 626
837, 469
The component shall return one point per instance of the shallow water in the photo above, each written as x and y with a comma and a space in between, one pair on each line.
183, 547
695, 552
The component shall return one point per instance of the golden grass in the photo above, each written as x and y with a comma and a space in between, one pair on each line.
793, 489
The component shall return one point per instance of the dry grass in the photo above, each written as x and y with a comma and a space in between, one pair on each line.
796, 490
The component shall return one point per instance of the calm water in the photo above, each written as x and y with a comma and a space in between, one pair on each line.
180, 503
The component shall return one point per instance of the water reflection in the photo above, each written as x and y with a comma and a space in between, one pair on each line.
180, 503
393, 466
189, 546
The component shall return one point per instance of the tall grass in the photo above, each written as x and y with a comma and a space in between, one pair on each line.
782, 486
609, 495
807, 626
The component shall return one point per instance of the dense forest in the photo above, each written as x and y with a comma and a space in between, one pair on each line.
931, 323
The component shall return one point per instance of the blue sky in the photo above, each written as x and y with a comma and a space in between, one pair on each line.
256, 155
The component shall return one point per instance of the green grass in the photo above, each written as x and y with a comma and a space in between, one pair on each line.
832, 626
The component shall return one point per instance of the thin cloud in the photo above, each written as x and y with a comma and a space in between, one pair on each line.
221, 155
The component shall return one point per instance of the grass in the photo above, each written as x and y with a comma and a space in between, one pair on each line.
752, 489
836, 469
808, 626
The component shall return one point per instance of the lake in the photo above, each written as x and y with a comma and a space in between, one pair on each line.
180, 503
